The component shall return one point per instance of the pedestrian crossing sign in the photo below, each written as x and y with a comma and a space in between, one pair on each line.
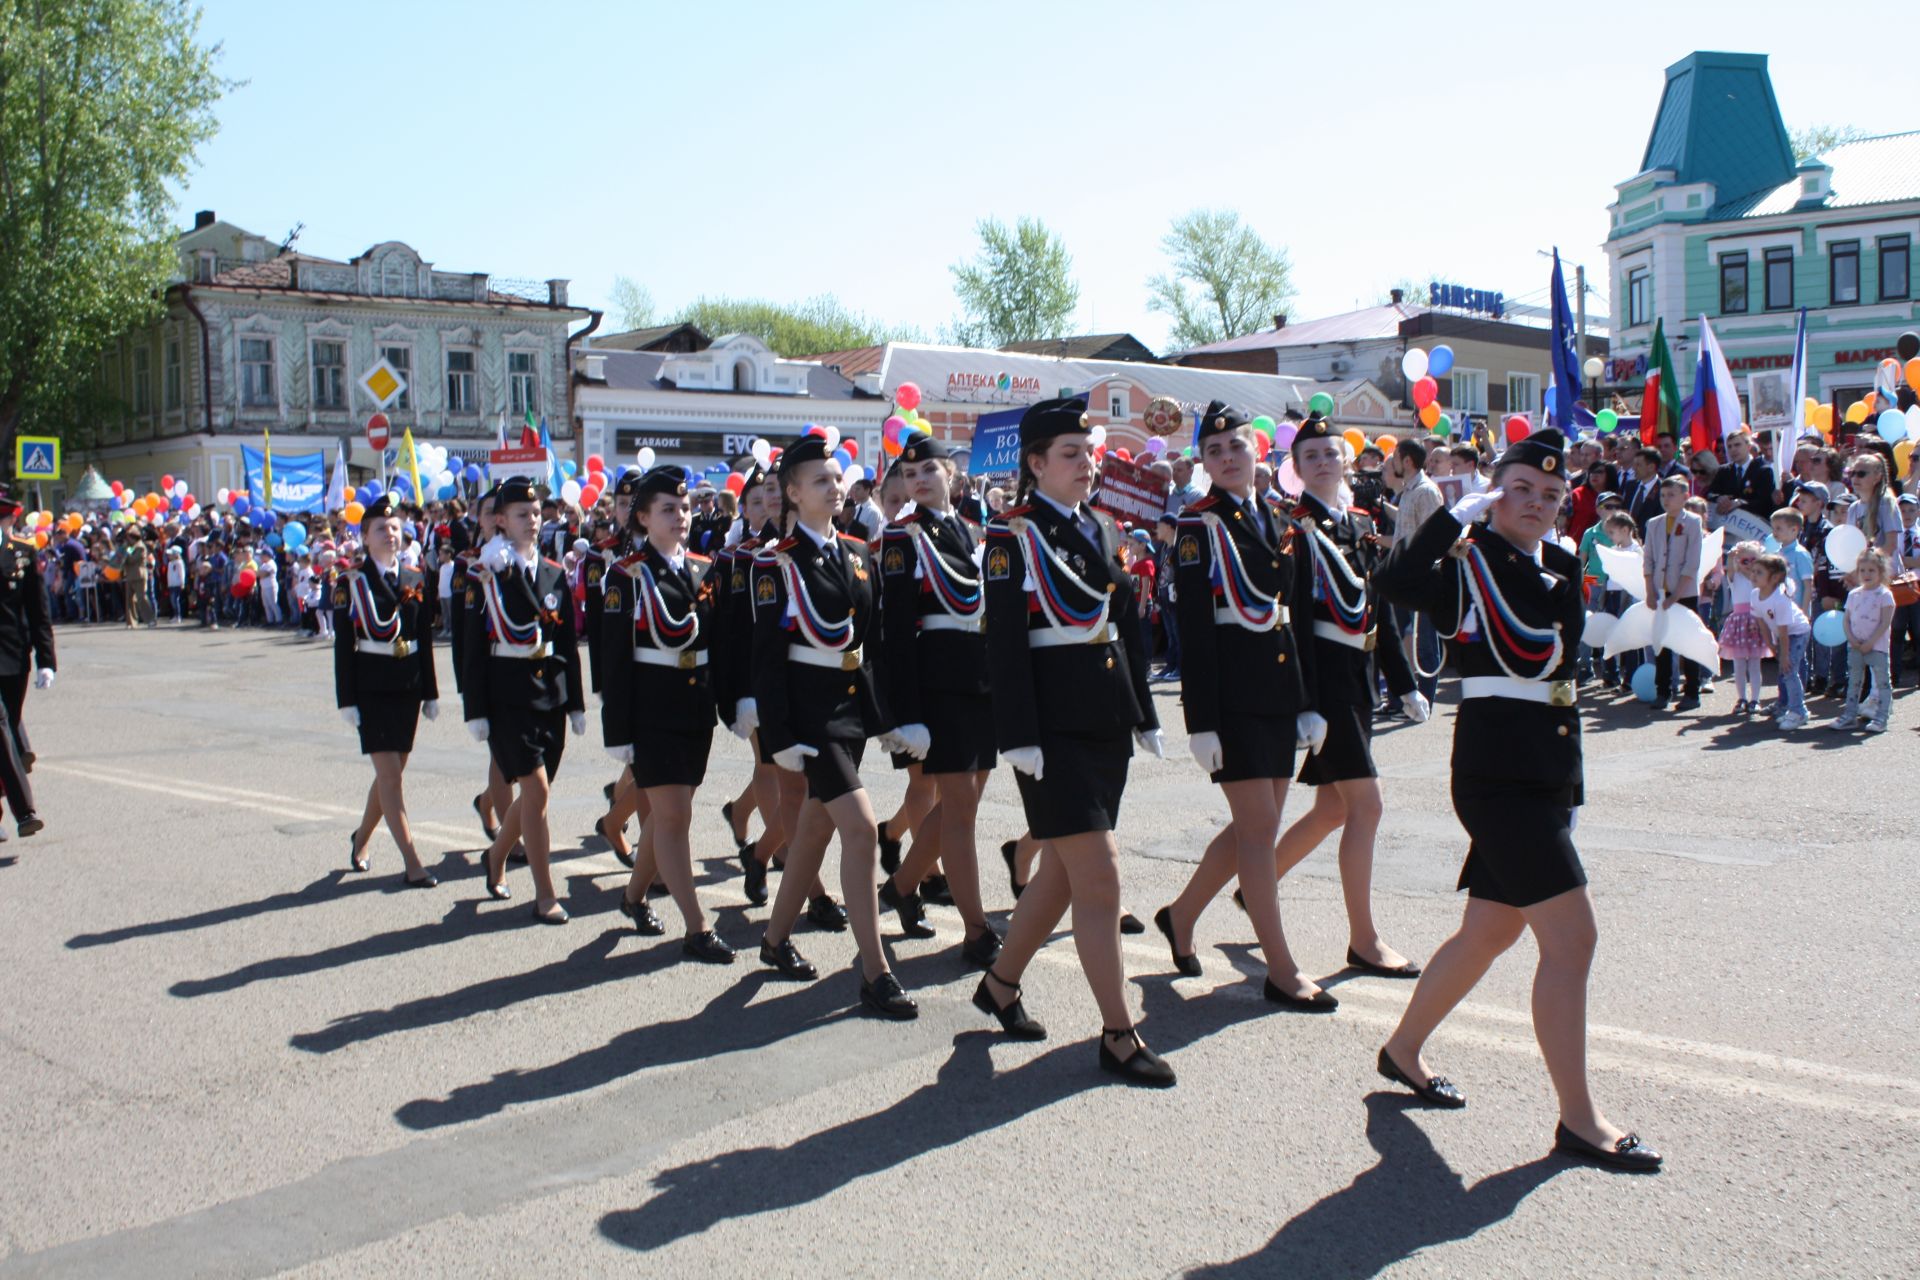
36, 458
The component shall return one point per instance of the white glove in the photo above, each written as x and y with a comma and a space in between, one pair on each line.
43, 678
1417, 707
479, 730
1206, 751
1151, 740
578, 719
1027, 760
1310, 730
918, 739
351, 715
621, 755
891, 741
430, 708
793, 759
1473, 506
495, 555
746, 718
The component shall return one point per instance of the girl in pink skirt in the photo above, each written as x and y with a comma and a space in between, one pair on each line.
1743, 641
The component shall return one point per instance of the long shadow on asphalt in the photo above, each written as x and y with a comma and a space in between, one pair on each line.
965, 1099
1411, 1200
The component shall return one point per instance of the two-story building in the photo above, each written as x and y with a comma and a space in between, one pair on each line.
256, 337
1722, 221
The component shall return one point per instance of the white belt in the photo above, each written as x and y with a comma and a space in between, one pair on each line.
948, 622
384, 648
1553, 693
684, 659
1327, 631
1054, 637
837, 659
506, 649
1227, 615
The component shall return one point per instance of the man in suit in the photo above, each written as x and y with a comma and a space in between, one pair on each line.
1672, 561
1667, 449
1643, 499
1745, 482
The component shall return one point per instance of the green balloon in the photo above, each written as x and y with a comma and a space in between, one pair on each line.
1444, 427
1322, 404
1264, 425
1606, 420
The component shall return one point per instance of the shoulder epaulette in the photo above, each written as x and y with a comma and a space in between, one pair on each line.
896, 531
854, 538
695, 555
624, 561
787, 543
1024, 508
1208, 502
548, 560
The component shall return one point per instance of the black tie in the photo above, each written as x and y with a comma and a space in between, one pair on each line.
958, 527
393, 583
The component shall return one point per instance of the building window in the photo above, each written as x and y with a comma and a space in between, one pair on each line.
1733, 284
460, 397
522, 391
401, 358
1523, 393
143, 379
1779, 279
1843, 272
329, 375
1639, 297
172, 374
1895, 280
1470, 390
1117, 406
256, 374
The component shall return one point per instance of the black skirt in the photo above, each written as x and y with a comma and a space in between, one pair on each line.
1348, 751
665, 758
523, 740
1256, 747
961, 726
835, 772
1085, 775
1522, 850
387, 723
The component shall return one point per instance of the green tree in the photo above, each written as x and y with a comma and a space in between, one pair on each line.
1019, 288
632, 304
1226, 281
1818, 139
103, 104
1413, 290
818, 325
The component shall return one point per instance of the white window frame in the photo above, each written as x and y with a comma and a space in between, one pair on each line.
1532, 405
1459, 403
271, 365
531, 401
471, 407
337, 403
383, 348
173, 373
1117, 406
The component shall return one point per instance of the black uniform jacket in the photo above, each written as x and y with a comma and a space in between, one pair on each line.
1344, 675
359, 677
600, 560
640, 695
944, 660
26, 624
1097, 688
1227, 670
1499, 739
549, 683
463, 564
799, 702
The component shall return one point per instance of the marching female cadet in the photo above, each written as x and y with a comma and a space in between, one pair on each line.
1509, 602
1069, 679
915, 816
383, 675
26, 641
934, 669
492, 803
814, 613
523, 683
623, 800
1237, 560
658, 714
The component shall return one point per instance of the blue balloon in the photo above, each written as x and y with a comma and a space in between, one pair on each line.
1440, 360
1643, 682
367, 492
569, 466
842, 457
446, 491
1893, 426
472, 473
296, 533
174, 503
274, 539
1830, 628
119, 503
402, 485
624, 472
263, 519
241, 505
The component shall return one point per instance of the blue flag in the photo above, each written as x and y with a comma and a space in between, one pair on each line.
556, 474
1567, 383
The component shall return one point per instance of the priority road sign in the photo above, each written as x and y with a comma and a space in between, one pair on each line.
36, 457
383, 382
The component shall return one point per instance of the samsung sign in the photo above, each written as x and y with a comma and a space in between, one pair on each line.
1460, 298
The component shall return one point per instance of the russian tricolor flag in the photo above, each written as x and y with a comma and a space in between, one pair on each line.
1712, 413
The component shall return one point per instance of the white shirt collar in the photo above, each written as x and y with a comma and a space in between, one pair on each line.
818, 541
1071, 513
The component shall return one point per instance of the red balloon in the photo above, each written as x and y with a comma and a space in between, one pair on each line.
1123, 455
852, 447
1518, 429
118, 488
1424, 391
907, 395
595, 463
166, 482
186, 502
735, 483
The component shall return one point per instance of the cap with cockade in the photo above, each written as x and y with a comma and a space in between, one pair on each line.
808, 448
1544, 450
921, 447
627, 485
1318, 426
667, 480
379, 509
513, 489
1051, 418
1219, 419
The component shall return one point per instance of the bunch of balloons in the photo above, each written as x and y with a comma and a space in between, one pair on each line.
1423, 370
906, 399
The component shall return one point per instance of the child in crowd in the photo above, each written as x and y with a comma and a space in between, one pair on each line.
322, 596
1788, 633
176, 581
1671, 559
1906, 618
1825, 592
303, 595
1743, 638
266, 585
1869, 616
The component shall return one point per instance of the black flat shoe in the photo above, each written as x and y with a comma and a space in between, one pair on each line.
1407, 970
1318, 1002
889, 851
646, 921
726, 816
1009, 850
492, 833
983, 950
1130, 923
934, 889
1436, 1092
496, 886
1187, 965
706, 945
427, 881
827, 914
607, 790
1240, 900
556, 914
1144, 1067
787, 959
517, 854
885, 996
1629, 1155
1013, 1016
600, 829
356, 857
755, 872
913, 916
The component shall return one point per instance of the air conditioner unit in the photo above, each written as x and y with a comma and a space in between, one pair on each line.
1341, 366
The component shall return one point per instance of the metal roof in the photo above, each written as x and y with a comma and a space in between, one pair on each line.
1718, 122
1871, 171
1089, 346
640, 371
1364, 325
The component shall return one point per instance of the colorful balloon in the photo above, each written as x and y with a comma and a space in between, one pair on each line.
907, 395
1321, 403
1263, 425
1414, 364
1440, 361
1518, 428
1892, 425
1425, 392
353, 511
1606, 420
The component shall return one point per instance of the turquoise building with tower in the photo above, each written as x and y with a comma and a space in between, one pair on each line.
1722, 221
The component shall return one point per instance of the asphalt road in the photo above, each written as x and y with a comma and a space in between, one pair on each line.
226, 1056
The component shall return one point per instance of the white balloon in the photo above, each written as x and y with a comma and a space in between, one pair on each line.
1288, 478
179, 488
1844, 546
1097, 437
570, 491
645, 457
833, 437
1414, 364
223, 497
855, 472
762, 453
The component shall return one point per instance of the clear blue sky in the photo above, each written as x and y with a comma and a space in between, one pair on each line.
788, 150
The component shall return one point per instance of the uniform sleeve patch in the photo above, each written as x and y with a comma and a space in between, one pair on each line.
612, 600
1189, 549
763, 590
340, 594
739, 580
473, 597
999, 565
894, 561
594, 572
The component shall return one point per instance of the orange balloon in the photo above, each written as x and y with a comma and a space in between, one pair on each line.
1386, 443
1429, 414
1355, 437
1913, 373
1856, 413
346, 494
40, 540
353, 512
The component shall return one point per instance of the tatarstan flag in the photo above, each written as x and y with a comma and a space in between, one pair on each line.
1660, 401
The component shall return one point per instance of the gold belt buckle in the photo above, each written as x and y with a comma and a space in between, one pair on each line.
400, 647
686, 659
540, 650
1560, 693
1373, 637
850, 660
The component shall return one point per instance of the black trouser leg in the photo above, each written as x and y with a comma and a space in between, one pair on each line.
13, 696
13, 775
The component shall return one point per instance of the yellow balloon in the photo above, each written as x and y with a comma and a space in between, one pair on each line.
1813, 407
1823, 418
1901, 452
1856, 413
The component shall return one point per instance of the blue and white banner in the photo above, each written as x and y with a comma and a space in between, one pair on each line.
299, 479
996, 443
